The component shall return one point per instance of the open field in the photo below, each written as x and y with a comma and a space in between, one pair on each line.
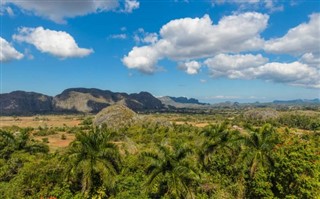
43, 120
60, 139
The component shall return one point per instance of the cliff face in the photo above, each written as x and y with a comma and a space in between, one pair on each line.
74, 100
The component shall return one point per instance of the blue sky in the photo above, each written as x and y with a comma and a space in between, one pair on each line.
219, 50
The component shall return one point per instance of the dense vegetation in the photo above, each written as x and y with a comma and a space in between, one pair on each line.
276, 157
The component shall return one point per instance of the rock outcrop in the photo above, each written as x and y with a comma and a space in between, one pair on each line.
115, 116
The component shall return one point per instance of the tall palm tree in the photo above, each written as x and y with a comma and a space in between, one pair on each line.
257, 147
215, 137
94, 159
170, 172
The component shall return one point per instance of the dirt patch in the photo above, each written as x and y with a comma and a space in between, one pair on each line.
55, 141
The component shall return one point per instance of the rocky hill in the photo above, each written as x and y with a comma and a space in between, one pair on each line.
74, 100
93, 100
115, 115
25, 103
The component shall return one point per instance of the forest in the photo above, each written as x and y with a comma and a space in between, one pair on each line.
234, 155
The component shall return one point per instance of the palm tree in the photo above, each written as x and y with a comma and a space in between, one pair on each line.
215, 137
19, 141
94, 159
7, 142
257, 147
170, 172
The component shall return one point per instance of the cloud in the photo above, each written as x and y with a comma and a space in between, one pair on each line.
304, 38
6, 10
192, 38
271, 5
8, 52
150, 38
295, 73
232, 65
225, 97
191, 67
228, 49
56, 43
28, 54
311, 60
143, 59
10, 11
189, 38
130, 5
141, 36
256, 67
59, 11
203, 81
118, 36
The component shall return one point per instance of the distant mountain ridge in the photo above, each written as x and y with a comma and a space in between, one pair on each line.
297, 101
185, 100
74, 100
92, 100
182, 102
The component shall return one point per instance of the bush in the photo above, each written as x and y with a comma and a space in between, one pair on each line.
45, 140
63, 137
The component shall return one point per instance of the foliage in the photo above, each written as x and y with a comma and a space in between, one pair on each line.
169, 172
233, 157
94, 161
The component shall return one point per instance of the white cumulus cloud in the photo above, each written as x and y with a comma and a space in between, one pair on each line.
304, 38
256, 67
232, 65
295, 73
8, 52
57, 43
143, 59
192, 38
190, 67
198, 37
228, 49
